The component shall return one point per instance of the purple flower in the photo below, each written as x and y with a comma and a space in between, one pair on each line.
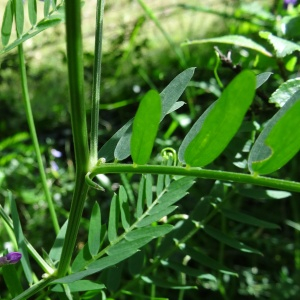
10, 258
286, 3
56, 153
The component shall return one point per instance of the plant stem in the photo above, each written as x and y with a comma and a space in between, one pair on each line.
34, 138
280, 184
96, 84
79, 128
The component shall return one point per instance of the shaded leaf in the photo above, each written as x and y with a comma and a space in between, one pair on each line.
262, 193
154, 217
236, 40
96, 267
285, 92
32, 11
18, 231
227, 240
94, 230
107, 151
56, 249
148, 190
221, 122
247, 219
19, 16
7, 23
140, 201
55, 19
281, 46
145, 127
82, 259
279, 141
207, 261
47, 4
153, 232
124, 208
113, 221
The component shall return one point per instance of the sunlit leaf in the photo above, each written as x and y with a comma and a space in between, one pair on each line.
219, 123
94, 230
145, 127
236, 40
285, 92
262, 78
79, 286
279, 141
281, 46
7, 23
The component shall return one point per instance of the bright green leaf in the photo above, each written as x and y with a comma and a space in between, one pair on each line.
221, 122
94, 230
279, 141
145, 127
236, 40
7, 23
79, 286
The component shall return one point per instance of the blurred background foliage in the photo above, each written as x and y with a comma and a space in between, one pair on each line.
137, 57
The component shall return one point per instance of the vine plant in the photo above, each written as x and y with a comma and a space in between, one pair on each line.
206, 140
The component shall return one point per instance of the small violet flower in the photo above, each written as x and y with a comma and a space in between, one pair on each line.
10, 258
289, 2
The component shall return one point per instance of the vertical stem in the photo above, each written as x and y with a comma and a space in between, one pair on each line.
34, 138
96, 84
79, 128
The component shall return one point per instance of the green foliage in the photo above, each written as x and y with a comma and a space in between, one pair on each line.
165, 227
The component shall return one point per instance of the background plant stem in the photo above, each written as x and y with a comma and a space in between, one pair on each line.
79, 128
34, 138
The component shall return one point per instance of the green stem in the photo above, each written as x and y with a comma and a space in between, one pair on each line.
79, 128
280, 184
34, 138
96, 84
